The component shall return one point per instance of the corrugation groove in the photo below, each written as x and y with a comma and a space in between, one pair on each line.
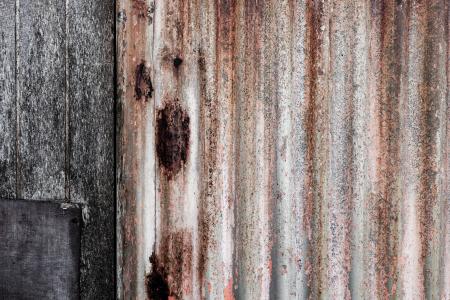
283, 149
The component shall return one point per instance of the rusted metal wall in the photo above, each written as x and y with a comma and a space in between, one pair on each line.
283, 149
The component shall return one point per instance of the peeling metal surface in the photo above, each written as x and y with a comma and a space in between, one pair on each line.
283, 149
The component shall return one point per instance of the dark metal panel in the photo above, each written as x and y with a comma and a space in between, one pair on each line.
39, 250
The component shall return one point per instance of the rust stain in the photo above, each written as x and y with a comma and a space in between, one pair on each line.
172, 137
143, 87
141, 8
136, 85
213, 97
208, 166
156, 281
430, 93
171, 268
392, 39
140, 5
312, 220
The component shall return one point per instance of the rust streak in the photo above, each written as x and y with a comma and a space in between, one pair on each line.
172, 267
391, 39
313, 209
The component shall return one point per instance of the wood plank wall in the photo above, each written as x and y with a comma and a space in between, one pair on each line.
57, 119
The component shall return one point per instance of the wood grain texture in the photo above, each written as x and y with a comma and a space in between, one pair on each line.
41, 112
64, 127
91, 139
39, 250
7, 100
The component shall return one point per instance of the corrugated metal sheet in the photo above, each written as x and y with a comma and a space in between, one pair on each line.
283, 149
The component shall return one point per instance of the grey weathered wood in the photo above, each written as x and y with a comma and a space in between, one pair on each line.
91, 138
41, 112
7, 100
39, 250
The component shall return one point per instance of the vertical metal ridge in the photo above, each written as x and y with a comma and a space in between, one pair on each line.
445, 269
135, 157
360, 90
216, 209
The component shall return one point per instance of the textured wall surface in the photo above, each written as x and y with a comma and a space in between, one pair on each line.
57, 125
39, 250
283, 149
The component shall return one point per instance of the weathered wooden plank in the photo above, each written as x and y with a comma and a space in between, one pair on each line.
7, 100
91, 139
41, 99
39, 250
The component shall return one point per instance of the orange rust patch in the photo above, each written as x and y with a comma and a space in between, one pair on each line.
228, 291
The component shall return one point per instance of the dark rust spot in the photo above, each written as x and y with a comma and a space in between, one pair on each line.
171, 268
156, 283
172, 137
143, 83
177, 62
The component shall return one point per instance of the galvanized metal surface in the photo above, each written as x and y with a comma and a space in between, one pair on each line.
283, 149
